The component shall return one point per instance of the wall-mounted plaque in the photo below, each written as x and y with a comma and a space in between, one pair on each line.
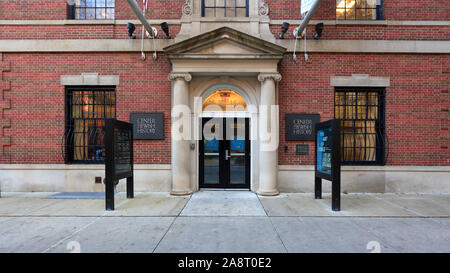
147, 125
301, 126
301, 149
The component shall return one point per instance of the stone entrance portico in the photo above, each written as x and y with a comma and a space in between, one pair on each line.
226, 57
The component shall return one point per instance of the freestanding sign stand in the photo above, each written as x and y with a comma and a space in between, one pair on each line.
118, 159
328, 160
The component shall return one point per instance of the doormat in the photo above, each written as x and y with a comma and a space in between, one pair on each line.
77, 195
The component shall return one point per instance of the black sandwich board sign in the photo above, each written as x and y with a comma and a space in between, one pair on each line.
118, 158
328, 160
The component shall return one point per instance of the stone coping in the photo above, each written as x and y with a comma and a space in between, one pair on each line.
236, 20
169, 167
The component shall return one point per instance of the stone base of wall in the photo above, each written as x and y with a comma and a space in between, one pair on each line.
370, 179
158, 178
79, 178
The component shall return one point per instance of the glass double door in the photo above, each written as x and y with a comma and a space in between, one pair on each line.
224, 153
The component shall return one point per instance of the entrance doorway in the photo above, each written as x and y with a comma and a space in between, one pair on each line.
224, 153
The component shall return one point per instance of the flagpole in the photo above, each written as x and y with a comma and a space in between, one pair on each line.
142, 40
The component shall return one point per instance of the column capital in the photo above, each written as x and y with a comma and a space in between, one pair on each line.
187, 77
274, 76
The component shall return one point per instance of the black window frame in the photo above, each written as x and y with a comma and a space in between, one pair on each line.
204, 7
378, 9
380, 126
70, 122
74, 9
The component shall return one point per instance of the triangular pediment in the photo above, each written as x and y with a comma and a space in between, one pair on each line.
225, 43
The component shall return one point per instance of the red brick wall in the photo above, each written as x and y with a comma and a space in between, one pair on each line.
167, 9
365, 32
33, 9
57, 9
417, 10
5, 105
417, 102
37, 100
108, 31
393, 10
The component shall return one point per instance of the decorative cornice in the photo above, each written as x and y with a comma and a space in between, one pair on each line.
186, 76
272, 76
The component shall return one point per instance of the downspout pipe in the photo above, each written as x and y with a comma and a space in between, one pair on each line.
134, 6
307, 18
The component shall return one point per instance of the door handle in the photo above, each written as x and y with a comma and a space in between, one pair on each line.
227, 156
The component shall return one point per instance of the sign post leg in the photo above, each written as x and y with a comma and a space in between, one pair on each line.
318, 188
130, 187
109, 194
336, 194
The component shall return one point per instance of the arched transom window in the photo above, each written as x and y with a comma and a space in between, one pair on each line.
227, 100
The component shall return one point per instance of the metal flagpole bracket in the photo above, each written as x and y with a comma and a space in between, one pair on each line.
309, 8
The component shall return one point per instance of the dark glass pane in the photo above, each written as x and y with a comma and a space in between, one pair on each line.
241, 12
230, 12
209, 3
231, 3
371, 14
90, 14
220, 12
340, 13
350, 14
361, 14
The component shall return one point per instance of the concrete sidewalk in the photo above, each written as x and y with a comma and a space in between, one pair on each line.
225, 221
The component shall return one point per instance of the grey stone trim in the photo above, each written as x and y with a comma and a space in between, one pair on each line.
274, 76
365, 22
387, 168
129, 45
90, 79
83, 22
186, 76
178, 21
363, 80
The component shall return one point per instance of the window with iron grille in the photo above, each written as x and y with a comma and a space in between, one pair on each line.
92, 10
359, 9
361, 111
86, 111
224, 8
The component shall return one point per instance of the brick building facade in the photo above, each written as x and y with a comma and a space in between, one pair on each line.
397, 51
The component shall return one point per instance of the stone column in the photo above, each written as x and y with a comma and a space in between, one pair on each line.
268, 133
180, 146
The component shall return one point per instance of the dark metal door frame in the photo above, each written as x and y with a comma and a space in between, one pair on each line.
224, 164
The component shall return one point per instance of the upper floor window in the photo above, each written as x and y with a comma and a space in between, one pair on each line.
224, 8
92, 10
359, 9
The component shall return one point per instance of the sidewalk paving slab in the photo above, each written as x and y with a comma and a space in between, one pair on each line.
409, 234
221, 235
304, 204
35, 234
119, 235
221, 203
295, 204
152, 204
424, 205
324, 235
